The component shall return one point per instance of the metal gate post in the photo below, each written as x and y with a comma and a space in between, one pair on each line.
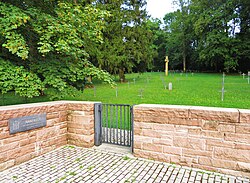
98, 124
132, 127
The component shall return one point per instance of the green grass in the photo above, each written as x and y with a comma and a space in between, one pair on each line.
197, 90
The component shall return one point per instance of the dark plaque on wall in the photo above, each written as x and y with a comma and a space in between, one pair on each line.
27, 123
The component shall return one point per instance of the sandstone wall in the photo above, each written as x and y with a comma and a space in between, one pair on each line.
67, 122
209, 138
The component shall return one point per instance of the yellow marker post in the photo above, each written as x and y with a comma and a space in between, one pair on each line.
166, 65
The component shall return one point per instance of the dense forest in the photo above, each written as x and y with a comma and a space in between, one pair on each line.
205, 35
55, 47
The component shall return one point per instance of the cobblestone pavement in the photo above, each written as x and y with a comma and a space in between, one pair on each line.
73, 164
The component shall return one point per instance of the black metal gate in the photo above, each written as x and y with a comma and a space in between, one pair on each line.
114, 124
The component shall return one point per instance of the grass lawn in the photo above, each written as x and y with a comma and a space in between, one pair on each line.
197, 90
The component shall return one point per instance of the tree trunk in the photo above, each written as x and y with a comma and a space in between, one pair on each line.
184, 62
121, 75
184, 55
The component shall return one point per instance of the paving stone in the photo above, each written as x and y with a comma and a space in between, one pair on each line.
78, 165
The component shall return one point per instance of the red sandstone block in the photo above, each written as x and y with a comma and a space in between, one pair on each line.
138, 131
63, 130
88, 107
3, 157
212, 134
194, 153
144, 125
57, 140
233, 172
181, 131
181, 141
7, 164
32, 133
52, 115
4, 135
81, 131
211, 143
16, 137
163, 127
80, 126
207, 168
170, 111
4, 123
184, 122
188, 161
244, 167
194, 131
151, 155
242, 146
232, 154
151, 133
226, 164
47, 133
175, 159
63, 116
57, 107
81, 138
244, 116
138, 138
172, 150
152, 119
23, 158
203, 160
138, 145
52, 122
13, 154
224, 127
214, 114
219, 163
63, 125
243, 128
10, 146
209, 125
152, 147
236, 137
192, 143
166, 140
79, 119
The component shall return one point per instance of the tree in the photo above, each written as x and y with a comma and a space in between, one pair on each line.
127, 39
215, 27
178, 29
50, 42
209, 35
159, 44
242, 22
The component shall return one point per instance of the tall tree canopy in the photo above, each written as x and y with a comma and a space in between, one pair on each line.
127, 43
45, 41
209, 35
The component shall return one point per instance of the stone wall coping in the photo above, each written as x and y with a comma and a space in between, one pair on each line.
244, 111
43, 104
191, 108
162, 106
220, 109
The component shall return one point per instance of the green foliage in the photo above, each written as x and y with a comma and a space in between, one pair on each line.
24, 83
159, 44
217, 44
208, 35
127, 44
51, 37
12, 18
66, 32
